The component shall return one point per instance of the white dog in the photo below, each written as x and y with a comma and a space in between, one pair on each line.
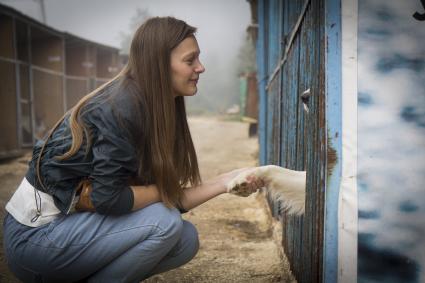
285, 185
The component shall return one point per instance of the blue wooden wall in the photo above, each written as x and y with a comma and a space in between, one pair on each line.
297, 139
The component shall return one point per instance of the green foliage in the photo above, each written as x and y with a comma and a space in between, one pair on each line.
247, 57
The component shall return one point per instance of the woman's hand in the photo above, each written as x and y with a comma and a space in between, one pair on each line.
194, 196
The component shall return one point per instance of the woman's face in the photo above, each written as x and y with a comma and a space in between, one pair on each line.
185, 67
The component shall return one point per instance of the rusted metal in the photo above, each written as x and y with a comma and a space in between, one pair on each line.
331, 157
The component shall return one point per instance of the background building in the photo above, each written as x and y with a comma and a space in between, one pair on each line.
43, 73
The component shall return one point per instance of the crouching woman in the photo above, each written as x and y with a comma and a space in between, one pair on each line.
124, 157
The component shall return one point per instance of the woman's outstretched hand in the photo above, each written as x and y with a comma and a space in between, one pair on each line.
194, 196
251, 184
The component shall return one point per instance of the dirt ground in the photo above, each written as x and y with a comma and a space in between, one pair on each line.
239, 242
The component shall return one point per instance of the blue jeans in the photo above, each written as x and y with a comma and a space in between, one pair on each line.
100, 248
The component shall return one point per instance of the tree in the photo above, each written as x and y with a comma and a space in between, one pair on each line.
246, 57
140, 16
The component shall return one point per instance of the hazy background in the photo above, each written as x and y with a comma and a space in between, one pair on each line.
221, 34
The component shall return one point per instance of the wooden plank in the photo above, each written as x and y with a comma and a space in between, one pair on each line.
25, 101
75, 90
289, 77
8, 113
46, 50
261, 82
76, 64
7, 48
304, 135
106, 63
284, 96
307, 233
22, 42
272, 95
291, 87
48, 101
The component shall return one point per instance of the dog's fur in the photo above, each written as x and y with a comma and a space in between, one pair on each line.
284, 185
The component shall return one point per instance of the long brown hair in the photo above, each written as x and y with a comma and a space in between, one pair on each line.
170, 156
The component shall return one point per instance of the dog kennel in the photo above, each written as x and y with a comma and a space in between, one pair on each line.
44, 72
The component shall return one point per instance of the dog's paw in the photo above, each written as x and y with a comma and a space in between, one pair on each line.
241, 190
240, 185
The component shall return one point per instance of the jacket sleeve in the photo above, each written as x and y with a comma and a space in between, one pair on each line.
114, 161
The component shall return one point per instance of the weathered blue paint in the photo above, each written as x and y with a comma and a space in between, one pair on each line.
290, 136
262, 80
273, 145
333, 75
289, 101
274, 36
306, 56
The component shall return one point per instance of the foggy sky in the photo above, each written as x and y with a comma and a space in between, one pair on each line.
102, 20
221, 30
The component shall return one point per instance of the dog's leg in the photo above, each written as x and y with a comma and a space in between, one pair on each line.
285, 185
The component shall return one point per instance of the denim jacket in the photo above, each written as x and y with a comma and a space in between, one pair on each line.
109, 163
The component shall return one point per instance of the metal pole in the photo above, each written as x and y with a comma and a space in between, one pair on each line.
43, 11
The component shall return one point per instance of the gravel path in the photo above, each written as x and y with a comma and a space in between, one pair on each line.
239, 242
